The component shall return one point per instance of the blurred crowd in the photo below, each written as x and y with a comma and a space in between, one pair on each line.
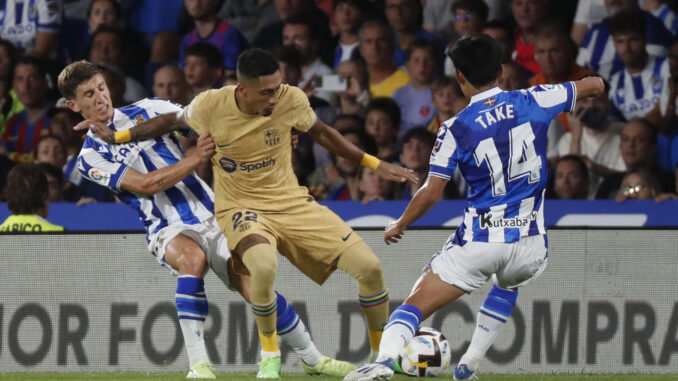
373, 69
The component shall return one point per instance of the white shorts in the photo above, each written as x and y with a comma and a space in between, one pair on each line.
206, 234
470, 266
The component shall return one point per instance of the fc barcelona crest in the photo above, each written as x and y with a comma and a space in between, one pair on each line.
139, 119
272, 137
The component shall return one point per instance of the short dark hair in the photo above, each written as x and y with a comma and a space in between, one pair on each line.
420, 43
626, 22
388, 106
305, 20
478, 57
210, 53
474, 6
254, 63
35, 62
581, 164
499, 24
73, 75
53, 171
26, 191
444, 82
116, 8
420, 133
117, 32
360, 4
287, 54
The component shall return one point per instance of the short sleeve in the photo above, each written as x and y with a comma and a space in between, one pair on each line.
554, 99
443, 156
305, 116
196, 114
95, 163
49, 16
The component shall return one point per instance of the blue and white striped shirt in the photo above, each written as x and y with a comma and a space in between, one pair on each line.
668, 17
190, 201
499, 143
597, 51
636, 95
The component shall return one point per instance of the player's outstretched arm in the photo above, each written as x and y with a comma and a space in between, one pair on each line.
422, 202
589, 87
164, 178
158, 126
334, 142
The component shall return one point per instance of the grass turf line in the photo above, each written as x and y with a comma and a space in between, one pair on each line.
133, 376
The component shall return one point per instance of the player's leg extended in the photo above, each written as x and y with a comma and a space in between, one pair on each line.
428, 295
188, 258
359, 261
292, 331
259, 257
493, 314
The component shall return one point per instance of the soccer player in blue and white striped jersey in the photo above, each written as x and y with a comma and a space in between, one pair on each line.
499, 143
176, 207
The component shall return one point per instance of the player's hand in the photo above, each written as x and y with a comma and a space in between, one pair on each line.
666, 196
205, 148
101, 129
393, 232
396, 173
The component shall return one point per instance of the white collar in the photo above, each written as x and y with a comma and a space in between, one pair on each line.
485, 94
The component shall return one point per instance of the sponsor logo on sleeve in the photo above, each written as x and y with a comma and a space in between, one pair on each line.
99, 176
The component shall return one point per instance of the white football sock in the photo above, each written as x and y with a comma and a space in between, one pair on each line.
300, 340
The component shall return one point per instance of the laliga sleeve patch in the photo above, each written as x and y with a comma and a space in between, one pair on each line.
99, 176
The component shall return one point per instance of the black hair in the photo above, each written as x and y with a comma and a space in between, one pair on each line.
305, 20
288, 54
420, 133
52, 171
581, 164
210, 53
388, 106
35, 62
26, 191
254, 63
499, 24
362, 5
116, 8
478, 57
421, 43
109, 29
474, 6
626, 22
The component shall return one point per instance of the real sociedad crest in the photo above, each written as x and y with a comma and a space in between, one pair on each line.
272, 137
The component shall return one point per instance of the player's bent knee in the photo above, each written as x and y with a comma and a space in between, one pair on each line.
194, 262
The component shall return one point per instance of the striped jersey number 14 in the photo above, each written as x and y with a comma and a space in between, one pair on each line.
523, 160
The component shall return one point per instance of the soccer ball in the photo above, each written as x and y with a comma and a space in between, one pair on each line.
427, 355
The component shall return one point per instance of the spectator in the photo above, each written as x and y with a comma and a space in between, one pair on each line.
417, 145
203, 67
405, 17
597, 51
248, 16
63, 120
23, 130
502, 33
108, 47
33, 28
668, 195
512, 77
26, 195
588, 13
348, 169
211, 30
594, 137
636, 88
414, 99
270, 35
372, 187
439, 20
9, 101
556, 53
76, 35
357, 95
169, 82
638, 146
669, 96
528, 15
663, 12
638, 184
115, 81
299, 33
348, 16
470, 17
55, 182
382, 124
51, 150
448, 101
5, 166
571, 179
377, 47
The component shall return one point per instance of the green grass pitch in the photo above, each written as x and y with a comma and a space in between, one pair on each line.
298, 376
